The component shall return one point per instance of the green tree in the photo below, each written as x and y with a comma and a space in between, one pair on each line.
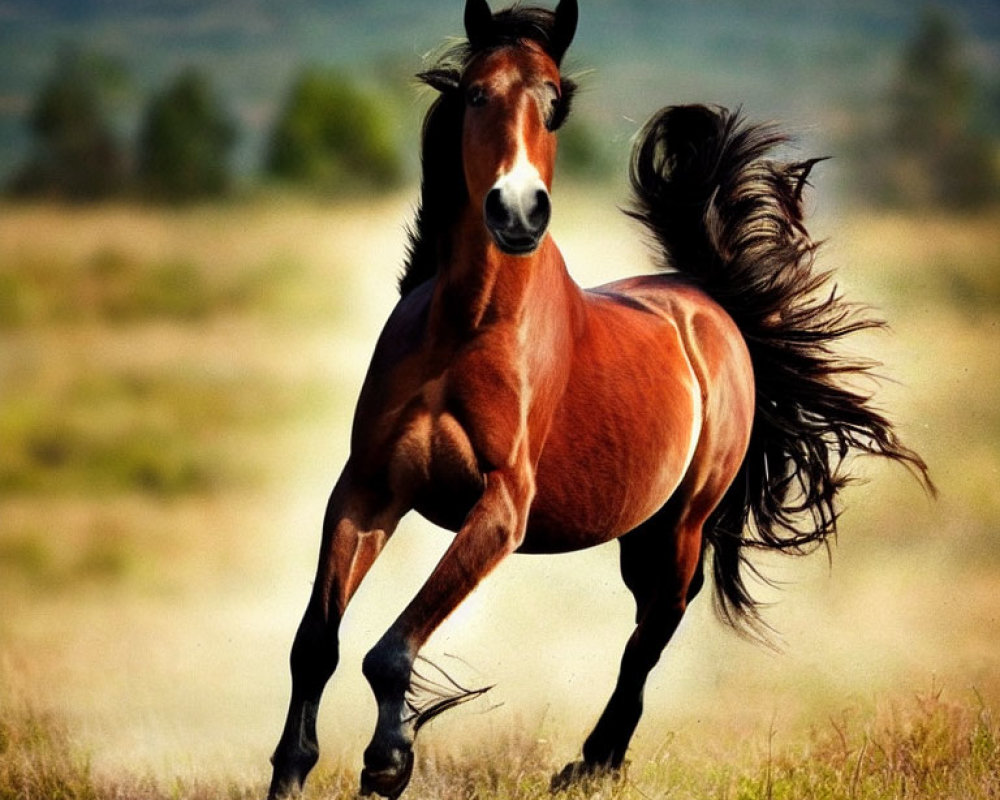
185, 142
75, 154
333, 136
935, 154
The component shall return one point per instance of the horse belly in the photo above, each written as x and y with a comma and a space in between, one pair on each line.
619, 446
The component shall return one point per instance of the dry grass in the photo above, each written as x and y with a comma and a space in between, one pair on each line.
175, 400
927, 748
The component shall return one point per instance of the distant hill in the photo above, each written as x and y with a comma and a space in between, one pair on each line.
807, 62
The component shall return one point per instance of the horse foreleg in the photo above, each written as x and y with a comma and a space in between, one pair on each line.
355, 530
663, 577
493, 530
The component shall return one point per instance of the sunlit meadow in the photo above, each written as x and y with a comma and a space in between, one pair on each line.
176, 389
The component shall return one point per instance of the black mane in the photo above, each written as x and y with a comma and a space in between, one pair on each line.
442, 184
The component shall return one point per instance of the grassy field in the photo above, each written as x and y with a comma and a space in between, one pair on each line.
176, 390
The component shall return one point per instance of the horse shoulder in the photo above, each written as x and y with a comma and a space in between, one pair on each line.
391, 396
486, 391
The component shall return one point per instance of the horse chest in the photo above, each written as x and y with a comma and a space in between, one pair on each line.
455, 428
434, 466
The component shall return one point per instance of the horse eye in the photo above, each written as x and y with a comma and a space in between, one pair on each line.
554, 116
477, 97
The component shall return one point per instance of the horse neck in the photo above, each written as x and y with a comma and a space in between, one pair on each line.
480, 285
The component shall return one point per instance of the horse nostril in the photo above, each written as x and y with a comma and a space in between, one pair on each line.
497, 215
538, 217
517, 215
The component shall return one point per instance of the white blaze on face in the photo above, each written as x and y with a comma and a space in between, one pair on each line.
523, 176
517, 207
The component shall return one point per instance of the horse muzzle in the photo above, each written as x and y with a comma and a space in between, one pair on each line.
517, 215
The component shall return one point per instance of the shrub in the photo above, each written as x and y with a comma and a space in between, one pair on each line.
76, 154
185, 141
333, 136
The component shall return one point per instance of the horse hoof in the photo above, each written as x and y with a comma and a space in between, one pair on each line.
569, 775
290, 771
389, 782
578, 771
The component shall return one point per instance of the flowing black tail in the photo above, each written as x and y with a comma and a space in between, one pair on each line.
731, 220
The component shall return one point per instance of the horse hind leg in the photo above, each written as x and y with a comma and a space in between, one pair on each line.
664, 573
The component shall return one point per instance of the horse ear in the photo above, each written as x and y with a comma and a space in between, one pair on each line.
567, 15
444, 80
478, 22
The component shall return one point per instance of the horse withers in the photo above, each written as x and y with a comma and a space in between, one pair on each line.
702, 408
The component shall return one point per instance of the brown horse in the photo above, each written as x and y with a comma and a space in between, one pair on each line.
698, 408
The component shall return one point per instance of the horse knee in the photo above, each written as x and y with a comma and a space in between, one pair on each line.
315, 653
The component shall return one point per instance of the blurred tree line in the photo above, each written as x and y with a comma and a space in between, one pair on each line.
936, 145
76, 153
331, 136
932, 143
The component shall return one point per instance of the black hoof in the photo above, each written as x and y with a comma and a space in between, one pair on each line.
388, 782
290, 773
282, 788
580, 771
